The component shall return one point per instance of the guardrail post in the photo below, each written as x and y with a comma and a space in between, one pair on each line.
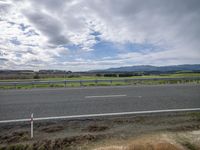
96, 81
65, 83
31, 125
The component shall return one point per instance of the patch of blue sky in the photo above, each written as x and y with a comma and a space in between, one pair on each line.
23, 27
15, 41
96, 34
18, 55
138, 47
31, 33
72, 47
104, 49
72, 55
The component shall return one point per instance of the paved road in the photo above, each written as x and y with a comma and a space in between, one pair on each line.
18, 104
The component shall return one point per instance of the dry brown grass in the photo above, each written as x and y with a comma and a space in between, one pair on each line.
153, 146
143, 146
149, 142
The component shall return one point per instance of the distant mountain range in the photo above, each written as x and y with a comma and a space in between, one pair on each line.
195, 67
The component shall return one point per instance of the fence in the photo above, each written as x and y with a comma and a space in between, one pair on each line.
65, 83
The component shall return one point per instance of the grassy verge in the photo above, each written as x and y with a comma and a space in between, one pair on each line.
170, 131
108, 83
114, 83
63, 85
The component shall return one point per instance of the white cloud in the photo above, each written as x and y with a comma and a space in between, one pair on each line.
34, 33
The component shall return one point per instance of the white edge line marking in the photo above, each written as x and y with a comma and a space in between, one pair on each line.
102, 96
100, 115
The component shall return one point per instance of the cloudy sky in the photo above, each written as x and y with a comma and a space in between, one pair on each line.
82, 35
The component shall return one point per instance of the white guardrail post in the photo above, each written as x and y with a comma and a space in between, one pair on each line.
65, 82
31, 125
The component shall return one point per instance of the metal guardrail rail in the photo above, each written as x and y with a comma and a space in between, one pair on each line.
65, 82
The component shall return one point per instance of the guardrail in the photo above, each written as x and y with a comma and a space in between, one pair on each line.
31, 119
81, 82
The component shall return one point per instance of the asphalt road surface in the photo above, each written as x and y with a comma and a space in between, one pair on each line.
19, 104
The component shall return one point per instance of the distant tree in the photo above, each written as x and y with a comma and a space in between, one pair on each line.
36, 76
69, 72
126, 75
73, 76
98, 75
110, 75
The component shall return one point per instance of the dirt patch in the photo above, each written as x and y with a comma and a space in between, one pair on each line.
153, 146
181, 140
145, 142
144, 146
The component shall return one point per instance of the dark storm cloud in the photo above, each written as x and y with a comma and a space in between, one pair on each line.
48, 25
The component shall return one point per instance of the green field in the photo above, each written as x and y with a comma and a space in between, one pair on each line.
108, 83
175, 75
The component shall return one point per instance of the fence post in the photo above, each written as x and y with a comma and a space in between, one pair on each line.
31, 125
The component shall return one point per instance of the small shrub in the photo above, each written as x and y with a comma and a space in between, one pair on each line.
17, 147
190, 146
98, 75
74, 76
36, 76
